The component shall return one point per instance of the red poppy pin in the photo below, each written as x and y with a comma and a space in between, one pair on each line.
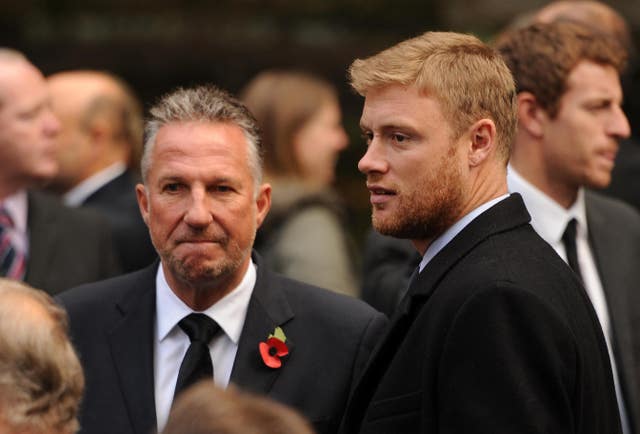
274, 348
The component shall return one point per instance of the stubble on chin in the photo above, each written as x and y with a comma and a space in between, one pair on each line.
427, 212
205, 273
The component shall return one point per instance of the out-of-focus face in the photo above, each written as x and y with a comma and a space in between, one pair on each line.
27, 126
69, 99
200, 205
414, 168
319, 142
580, 144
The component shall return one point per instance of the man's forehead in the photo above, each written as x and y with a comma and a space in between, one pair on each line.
396, 105
589, 76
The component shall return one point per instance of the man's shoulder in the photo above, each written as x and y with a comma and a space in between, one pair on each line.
310, 301
610, 206
93, 297
45, 205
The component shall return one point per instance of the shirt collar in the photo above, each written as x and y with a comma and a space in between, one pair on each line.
16, 206
229, 312
548, 217
444, 239
86, 188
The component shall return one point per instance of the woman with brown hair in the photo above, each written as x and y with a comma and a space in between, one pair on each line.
303, 236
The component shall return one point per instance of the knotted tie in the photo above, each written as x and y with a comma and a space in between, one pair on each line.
569, 240
12, 262
196, 364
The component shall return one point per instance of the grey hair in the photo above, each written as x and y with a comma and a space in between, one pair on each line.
203, 104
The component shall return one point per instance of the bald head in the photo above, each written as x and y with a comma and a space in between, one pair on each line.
101, 124
594, 14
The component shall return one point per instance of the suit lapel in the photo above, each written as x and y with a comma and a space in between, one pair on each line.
131, 343
268, 309
608, 257
505, 215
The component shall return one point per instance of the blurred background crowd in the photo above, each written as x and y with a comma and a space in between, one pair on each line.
158, 45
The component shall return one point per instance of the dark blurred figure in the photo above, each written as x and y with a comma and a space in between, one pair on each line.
303, 237
41, 380
625, 177
42, 242
98, 154
208, 409
387, 266
570, 121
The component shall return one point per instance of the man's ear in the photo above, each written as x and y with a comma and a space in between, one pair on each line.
531, 115
482, 137
263, 203
143, 202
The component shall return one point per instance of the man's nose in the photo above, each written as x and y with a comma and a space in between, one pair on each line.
373, 160
619, 125
199, 212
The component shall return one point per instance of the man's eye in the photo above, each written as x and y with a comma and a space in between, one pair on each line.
171, 188
223, 188
398, 138
367, 137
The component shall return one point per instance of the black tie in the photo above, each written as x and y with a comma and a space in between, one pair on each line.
196, 364
569, 240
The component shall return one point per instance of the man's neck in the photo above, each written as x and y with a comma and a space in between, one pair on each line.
548, 182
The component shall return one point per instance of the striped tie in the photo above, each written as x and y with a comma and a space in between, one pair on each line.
12, 262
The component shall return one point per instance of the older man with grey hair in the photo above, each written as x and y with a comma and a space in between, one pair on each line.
210, 308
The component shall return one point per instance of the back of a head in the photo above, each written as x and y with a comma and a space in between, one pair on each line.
207, 409
467, 77
41, 380
282, 103
541, 57
101, 98
597, 15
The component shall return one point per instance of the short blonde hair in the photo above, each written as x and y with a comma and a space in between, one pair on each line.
467, 77
41, 380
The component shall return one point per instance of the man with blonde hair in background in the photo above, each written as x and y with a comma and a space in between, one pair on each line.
495, 333
41, 381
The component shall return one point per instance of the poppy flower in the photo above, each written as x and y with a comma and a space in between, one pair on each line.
273, 349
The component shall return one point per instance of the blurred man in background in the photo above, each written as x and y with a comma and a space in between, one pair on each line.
42, 242
98, 154
570, 122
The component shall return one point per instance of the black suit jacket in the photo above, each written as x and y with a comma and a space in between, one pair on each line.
495, 336
614, 235
112, 325
67, 246
116, 201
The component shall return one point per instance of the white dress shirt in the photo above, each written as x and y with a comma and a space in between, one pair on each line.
78, 194
550, 220
171, 343
444, 239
